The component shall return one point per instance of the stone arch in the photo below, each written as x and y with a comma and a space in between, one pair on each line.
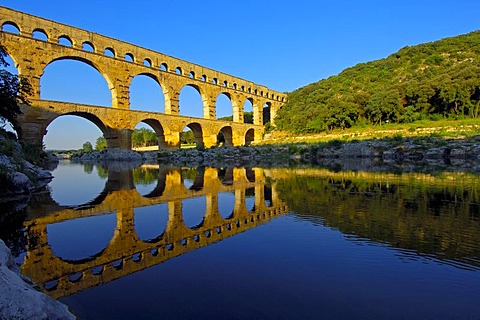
159, 130
189, 96
65, 40
266, 113
225, 137
109, 52
224, 105
129, 57
105, 76
249, 136
179, 71
147, 62
164, 67
248, 114
88, 46
109, 222
40, 34
11, 27
148, 94
93, 119
197, 133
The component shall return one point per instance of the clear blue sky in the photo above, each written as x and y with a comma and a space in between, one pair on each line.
281, 44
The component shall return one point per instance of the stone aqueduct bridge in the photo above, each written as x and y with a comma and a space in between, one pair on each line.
126, 253
119, 62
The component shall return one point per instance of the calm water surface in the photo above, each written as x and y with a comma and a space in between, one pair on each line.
250, 243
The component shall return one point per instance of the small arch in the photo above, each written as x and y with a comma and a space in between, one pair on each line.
88, 46
214, 81
164, 67
109, 52
129, 57
249, 136
225, 83
256, 92
192, 75
261, 93
178, 71
147, 62
242, 88
10, 27
234, 86
65, 41
40, 34
204, 78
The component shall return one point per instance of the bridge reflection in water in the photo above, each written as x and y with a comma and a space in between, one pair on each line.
126, 253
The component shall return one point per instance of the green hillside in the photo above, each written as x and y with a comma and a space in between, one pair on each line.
433, 81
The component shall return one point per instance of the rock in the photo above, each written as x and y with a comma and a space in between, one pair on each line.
20, 183
436, 153
19, 299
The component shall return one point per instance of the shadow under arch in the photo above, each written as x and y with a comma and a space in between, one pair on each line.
158, 128
197, 133
249, 136
111, 86
225, 136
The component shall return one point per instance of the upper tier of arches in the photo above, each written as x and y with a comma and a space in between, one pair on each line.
46, 30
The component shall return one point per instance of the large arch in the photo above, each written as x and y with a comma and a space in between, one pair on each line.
68, 133
73, 233
191, 101
63, 67
224, 107
145, 94
159, 131
248, 115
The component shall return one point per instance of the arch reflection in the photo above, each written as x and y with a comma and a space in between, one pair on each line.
148, 230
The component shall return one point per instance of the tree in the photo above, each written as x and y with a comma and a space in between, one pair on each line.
87, 147
101, 143
13, 91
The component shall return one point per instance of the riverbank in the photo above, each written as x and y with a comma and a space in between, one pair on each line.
398, 151
19, 179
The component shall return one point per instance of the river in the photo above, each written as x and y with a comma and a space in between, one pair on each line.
159, 242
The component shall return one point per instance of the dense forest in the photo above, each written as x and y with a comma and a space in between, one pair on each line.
435, 80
